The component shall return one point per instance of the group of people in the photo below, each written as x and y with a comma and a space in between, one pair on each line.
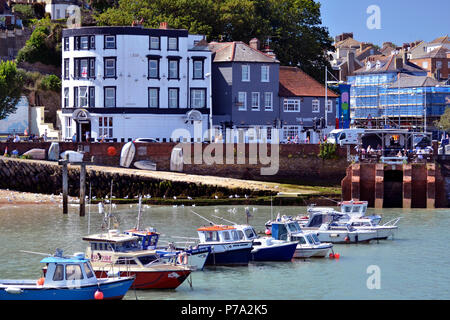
27, 137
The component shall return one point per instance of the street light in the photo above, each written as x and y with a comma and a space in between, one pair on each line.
208, 75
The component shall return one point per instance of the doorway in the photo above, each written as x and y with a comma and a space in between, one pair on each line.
393, 189
84, 127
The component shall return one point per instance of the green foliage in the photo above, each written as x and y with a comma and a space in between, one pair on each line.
50, 82
444, 122
328, 151
293, 26
11, 85
44, 44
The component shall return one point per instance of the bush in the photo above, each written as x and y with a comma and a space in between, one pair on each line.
328, 151
51, 82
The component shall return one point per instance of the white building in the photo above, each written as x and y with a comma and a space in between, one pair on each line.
58, 8
124, 83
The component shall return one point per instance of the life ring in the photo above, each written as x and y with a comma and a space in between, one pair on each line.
182, 258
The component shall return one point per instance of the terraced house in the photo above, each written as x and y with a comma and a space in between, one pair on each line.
245, 89
122, 83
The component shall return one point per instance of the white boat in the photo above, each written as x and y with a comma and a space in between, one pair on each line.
127, 154
327, 229
383, 231
308, 244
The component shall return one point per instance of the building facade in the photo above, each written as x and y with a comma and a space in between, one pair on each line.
245, 88
123, 83
302, 101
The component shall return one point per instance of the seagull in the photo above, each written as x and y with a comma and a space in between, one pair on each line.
216, 210
216, 197
193, 205
126, 197
174, 198
246, 196
231, 196
189, 198
236, 196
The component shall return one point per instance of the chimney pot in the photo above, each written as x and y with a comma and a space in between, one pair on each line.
163, 25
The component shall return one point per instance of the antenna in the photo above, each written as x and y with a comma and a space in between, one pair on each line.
203, 218
138, 222
224, 219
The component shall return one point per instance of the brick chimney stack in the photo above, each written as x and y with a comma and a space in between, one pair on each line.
164, 25
254, 43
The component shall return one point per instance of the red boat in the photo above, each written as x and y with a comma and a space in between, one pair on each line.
115, 253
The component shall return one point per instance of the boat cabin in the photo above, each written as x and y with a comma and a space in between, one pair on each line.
68, 271
305, 238
248, 231
354, 207
317, 219
219, 233
147, 239
281, 230
118, 248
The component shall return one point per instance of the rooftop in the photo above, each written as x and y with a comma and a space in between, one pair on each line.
238, 51
407, 81
296, 83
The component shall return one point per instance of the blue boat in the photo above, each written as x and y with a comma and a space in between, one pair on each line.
66, 278
267, 248
227, 246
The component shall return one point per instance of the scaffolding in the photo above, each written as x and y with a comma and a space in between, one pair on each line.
375, 99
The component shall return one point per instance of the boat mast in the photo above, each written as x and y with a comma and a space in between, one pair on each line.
138, 222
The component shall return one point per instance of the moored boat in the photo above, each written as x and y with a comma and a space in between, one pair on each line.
66, 278
119, 253
228, 247
308, 245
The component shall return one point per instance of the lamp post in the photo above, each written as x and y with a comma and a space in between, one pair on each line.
208, 75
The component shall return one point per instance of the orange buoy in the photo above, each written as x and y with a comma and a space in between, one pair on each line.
337, 255
98, 295
331, 255
111, 151
40, 281
268, 232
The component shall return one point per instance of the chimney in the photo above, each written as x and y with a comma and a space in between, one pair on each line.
163, 25
350, 62
398, 63
254, 43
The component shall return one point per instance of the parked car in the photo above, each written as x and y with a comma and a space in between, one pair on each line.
145, 140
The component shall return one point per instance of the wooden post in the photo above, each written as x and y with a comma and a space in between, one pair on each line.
82, 189
65, 184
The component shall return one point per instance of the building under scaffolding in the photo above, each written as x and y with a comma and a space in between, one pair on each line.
393, 93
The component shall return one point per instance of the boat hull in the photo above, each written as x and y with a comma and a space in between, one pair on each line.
318, 251
169, 279
229, 258
112, 290
345, 237
279, 252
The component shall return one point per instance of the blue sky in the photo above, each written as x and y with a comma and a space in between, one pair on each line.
401, 20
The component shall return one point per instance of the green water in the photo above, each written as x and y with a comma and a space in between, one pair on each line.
414, 265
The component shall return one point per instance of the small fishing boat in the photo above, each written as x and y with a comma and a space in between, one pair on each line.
267, 248
383, 231
308, 244
327, 228
264, 248
118, 253
66, 278
193, 257
148, 239
228, 247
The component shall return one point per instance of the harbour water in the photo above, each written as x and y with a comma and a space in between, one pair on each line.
413, 265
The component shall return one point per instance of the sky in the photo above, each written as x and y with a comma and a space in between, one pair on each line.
399, 21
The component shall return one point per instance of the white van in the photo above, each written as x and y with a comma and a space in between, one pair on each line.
344, 136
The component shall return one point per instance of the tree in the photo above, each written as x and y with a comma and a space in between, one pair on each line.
293, 27
444, 122
44, 44
11, 84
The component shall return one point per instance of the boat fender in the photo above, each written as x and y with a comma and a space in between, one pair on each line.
182, 258
98, 295
40, 281
13, 290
